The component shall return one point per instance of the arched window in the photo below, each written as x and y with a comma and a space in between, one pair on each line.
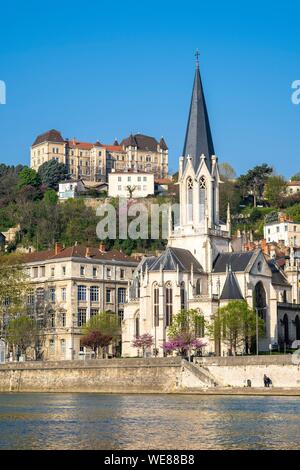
198, 287
297, 325
199, 325
137, 326
260, 303
156, 305
202, 190
169, 304
182, 296
285, 323
190, 188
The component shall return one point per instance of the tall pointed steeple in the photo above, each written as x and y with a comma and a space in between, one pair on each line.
198, 139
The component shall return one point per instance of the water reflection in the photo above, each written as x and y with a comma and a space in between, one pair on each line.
92, 421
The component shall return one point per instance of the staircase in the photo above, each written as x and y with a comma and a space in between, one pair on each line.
197, 376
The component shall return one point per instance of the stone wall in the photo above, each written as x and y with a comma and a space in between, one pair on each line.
235, 371
156, 375
107, 376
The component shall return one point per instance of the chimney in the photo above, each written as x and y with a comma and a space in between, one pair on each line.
88, 252
57, 248
102, 247
264, 246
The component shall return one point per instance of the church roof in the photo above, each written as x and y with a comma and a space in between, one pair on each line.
278, 278
231, 289
236, 261
198, 138
173, 257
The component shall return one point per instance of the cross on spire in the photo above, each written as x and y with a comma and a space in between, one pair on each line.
197, 54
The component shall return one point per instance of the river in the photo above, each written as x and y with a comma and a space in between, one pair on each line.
96, 421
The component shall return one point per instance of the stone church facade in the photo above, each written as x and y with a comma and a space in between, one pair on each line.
199, 269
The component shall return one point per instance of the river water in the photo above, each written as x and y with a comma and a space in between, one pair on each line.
96, 421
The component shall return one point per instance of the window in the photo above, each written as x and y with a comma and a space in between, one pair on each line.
52, 271
120, 315
108, 296
35, 272
139, 178
169, 305
43, 271
119, 188
198, 287
108, 273
122, 273
30, 298
81, 293
63, 346
52, 320
202, 189
182, 296
295, 228
63, 270
156, 305
277, 229
145, 178
51, 347
40, 295
63, 294
119, 178
94, 271
190, 199
82, 270
94, 311
137, 326
129, 178
52, 295
63, 319
199, 326
94, 294
121, 295
81, 317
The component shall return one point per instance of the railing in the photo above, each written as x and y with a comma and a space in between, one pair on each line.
289, 305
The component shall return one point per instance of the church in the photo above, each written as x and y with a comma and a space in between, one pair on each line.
199, 269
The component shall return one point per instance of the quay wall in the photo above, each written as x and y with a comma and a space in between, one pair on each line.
153, 375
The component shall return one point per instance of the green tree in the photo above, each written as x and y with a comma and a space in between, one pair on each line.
187, 322
103, 329
227, 172
13, 284
254, 180
296, 177
52, 172
50, 197
235, 326
28, 177
275, 190
21, 333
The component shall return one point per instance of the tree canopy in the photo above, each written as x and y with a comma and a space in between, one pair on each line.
51, 173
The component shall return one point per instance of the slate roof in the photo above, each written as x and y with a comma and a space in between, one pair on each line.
278, 278
173, 257
198, 138
144, 142
236, 261
78, 251
49, 136
231, 289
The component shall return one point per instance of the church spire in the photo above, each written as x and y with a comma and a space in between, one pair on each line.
198, 139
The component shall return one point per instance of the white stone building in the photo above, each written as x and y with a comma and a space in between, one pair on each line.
281, 230
135, 184
198, 269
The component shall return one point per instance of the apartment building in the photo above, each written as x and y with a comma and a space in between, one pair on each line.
282, 230
133, 184
68, 286
96, 160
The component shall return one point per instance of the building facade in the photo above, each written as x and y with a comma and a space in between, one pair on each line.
68, 286
283, 230
199, 269
96, 160
134, 184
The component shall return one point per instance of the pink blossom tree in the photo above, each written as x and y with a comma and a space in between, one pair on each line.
183, 344
143, 342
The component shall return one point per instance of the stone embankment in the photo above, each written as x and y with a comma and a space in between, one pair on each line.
156, 375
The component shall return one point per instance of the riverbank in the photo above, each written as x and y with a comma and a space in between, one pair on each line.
208, 376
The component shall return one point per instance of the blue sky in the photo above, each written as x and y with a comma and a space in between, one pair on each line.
100, 70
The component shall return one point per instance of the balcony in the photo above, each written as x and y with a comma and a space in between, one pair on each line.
288, 306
